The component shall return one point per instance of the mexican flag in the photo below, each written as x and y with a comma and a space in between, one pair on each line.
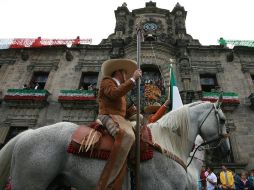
175, 97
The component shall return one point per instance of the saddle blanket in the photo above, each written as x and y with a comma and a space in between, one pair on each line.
93, 141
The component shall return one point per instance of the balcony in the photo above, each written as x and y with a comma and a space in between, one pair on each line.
230, 100
78, 99
26, 98
251, 97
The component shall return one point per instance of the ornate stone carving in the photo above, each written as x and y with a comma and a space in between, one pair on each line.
230, 125
89, 65
43, 65
80, 116
189, 96
185, 65
247, 66
207, 66
68, 55
117, 50
7, 61
230, 56
24, 55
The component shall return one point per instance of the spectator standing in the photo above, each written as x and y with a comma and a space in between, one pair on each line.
25, 86
244, 182
211, 179
203, 178
251, 179
226, 178
36, 86
237, 180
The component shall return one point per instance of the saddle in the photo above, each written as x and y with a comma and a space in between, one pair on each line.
95, 142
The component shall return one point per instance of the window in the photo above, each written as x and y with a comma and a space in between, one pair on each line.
39, 78
252, 78
88, 80
14, 131
208, 82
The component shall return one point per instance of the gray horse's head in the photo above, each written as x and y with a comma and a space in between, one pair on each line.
213, 128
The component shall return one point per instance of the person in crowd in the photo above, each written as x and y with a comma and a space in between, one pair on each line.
236, 180
211, 179
244, 182
37, 86
203, 178
90, 87
156, 111
226, 178
251, 179
25, 87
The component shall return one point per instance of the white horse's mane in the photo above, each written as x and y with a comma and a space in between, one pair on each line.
171, 131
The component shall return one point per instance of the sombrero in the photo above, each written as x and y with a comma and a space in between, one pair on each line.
150, 109
111, 65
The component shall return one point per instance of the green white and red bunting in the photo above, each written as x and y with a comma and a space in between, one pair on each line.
71, 95
228, 97
23, 94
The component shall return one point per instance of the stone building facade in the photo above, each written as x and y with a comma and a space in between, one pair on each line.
62, 71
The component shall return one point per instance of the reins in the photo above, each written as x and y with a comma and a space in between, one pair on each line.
219, 139
205, 143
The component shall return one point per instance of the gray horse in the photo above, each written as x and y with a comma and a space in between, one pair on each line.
35, 158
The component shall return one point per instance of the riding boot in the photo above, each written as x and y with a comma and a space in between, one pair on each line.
106, 173
114, 169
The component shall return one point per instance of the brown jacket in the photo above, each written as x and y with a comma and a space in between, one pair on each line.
112, 97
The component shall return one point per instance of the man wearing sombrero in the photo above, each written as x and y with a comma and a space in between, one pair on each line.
119, 76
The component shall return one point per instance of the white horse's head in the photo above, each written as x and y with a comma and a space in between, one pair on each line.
212, 127
177, 130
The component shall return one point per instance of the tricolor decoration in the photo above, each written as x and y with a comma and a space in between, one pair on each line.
228, 97
26, 94
76, 95
39, 42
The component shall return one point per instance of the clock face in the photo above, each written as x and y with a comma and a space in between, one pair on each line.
150, 26
179, 13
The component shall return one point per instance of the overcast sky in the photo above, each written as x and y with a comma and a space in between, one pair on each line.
207, 20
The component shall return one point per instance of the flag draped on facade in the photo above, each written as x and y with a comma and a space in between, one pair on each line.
175, 97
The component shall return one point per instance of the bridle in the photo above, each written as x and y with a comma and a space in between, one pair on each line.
220, 137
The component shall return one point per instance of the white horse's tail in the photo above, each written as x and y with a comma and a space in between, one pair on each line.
5, 160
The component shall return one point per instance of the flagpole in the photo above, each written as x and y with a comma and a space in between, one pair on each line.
137, 169
170, 67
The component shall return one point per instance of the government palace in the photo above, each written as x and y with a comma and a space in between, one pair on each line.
44, 85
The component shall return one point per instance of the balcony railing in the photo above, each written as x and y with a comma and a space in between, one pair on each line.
230, 100
26, 97
77, 98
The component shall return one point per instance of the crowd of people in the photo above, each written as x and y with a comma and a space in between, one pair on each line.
226, 179
35, 86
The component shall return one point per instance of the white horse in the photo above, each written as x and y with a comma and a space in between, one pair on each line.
35, 158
